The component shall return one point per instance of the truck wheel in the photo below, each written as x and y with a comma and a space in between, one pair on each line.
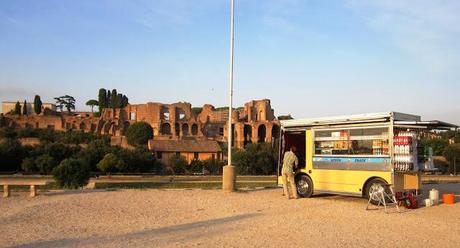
304, 186
373, 186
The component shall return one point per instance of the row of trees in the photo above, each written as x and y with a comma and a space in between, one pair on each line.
106, 99
111, 99
24, 111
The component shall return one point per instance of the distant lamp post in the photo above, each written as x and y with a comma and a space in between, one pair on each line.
229, 175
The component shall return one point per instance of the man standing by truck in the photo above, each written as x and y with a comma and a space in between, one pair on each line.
290, 162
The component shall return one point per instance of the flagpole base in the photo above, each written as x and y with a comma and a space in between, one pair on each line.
228, 178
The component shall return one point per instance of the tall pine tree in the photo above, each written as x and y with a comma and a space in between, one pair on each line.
17, 108
113, 99
37, 105
109, 99
24, 108
102, 99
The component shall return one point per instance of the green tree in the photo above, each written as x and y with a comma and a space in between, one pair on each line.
65, 101
94, 152
196, 166
24, 108
45, 164
8, 133
256, 159
37, 105
28, 165
11, 155
438, 145
285, 117
179, 164
452, 154
27, 132
139, 133
213, 166
124, 101
197, 110
110, 163
113, 98
138, 160
71, 173
3, 122
118, 101
92, 103
109, 99
17, 108
102, 99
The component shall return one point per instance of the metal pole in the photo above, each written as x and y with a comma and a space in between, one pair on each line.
230, 103
228, 175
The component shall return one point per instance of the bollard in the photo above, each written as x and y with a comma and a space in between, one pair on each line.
33, 191
6, 191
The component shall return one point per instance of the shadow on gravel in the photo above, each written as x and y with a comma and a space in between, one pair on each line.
73, 192
176, 233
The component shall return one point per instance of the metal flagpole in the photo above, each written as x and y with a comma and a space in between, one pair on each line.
229, 176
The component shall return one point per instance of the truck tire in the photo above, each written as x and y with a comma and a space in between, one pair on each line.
304, 186
372, 185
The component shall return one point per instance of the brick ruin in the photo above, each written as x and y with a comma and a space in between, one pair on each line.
253, 123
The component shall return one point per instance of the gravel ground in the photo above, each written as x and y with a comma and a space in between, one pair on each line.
211, 218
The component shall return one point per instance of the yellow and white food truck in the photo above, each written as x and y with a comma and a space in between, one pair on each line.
357, 154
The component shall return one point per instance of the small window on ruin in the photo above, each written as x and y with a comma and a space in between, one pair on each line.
196, 155
159, 155
221, 131
165, 115
180, 114
213, 156
132, 116
51, 127
177, 153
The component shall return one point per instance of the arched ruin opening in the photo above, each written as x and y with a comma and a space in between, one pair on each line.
194, 129
126, 125
261, 133
106, 127
165, 129
113, 128
247, 134
185, 129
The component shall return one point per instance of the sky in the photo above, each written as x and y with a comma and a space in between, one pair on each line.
312, 58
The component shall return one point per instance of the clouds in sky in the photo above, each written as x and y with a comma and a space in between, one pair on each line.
427, 30
162, 13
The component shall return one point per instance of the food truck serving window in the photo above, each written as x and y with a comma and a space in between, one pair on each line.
357, 141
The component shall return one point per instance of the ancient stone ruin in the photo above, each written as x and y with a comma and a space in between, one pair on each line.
253, 123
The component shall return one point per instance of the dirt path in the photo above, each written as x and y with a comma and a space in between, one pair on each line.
210, 218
